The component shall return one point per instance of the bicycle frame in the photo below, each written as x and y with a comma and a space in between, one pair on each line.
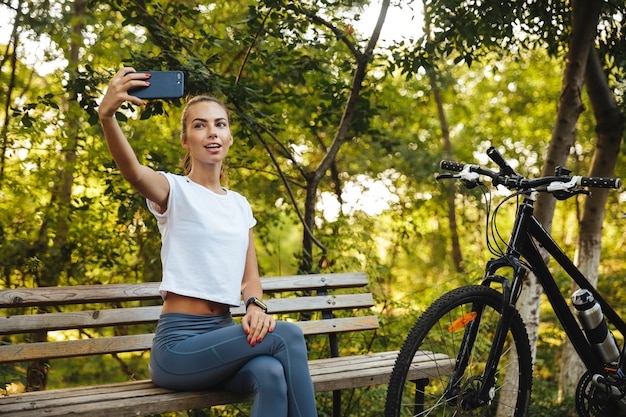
527, 236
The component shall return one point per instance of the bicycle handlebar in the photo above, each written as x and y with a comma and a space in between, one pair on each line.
514, 181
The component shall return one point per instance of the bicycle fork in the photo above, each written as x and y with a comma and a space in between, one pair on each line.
484, 392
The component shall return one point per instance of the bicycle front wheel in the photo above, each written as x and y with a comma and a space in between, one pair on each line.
456, 332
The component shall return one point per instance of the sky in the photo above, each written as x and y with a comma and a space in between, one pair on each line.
401, 22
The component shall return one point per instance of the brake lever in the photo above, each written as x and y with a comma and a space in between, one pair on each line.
468, 178
471, 183
564, 195
446, 176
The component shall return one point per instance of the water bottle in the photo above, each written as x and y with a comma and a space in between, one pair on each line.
594, 325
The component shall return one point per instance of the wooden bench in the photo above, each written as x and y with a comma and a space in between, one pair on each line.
322, 304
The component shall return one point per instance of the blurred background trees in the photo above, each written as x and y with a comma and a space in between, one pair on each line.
341, 113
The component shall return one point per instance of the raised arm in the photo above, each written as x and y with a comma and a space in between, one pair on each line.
144, 179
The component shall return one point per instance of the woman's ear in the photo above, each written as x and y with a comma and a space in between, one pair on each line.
183, 142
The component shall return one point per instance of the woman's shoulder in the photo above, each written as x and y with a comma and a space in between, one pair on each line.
237, 195
174, 178
178, 177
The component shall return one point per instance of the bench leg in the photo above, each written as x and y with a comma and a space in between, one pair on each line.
334, 352
418, 404
336, 403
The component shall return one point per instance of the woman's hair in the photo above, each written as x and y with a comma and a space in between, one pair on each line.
187, 161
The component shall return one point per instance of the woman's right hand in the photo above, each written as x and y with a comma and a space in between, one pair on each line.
147, 181
117, 92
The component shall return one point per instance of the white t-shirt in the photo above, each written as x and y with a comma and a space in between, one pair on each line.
204, 241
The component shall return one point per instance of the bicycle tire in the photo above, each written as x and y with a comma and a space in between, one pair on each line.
431, 333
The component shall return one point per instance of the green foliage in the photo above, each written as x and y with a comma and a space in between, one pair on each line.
11, 374
548, 405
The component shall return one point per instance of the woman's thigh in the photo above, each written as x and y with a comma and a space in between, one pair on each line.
206, 359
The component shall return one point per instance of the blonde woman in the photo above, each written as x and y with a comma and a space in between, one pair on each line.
209, 262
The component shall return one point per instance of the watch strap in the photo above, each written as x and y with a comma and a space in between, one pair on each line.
257, 302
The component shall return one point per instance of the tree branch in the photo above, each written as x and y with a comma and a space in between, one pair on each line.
249, 50
339, 33
355, 89
292, 197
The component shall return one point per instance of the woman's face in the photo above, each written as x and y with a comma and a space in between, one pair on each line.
208, 135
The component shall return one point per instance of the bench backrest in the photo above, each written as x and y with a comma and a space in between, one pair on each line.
133, 306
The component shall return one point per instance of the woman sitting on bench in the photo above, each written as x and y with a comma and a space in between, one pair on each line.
209, 262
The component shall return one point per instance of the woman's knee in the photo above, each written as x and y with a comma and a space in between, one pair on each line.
269, 375
289, 331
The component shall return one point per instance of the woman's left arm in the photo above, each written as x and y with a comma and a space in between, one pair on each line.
256, 323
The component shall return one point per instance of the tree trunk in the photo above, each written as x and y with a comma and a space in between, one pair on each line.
584, 21
312, 181
58, 256
457, 256
610, 127
11, 56
585, 15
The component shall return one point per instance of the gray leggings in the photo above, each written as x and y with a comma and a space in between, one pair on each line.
192, 352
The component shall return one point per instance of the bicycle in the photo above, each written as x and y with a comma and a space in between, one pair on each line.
478, 338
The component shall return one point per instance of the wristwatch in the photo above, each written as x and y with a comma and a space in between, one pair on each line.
259, 303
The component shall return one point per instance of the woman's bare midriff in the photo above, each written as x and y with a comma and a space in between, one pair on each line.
175, 303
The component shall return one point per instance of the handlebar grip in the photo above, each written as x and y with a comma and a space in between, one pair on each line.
499, 160
601, 182
451, 166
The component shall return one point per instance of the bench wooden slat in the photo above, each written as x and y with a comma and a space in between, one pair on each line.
78, 294
78, 319
142, 397
314, 282
140, 315
72, 348
371, 369
127, 399
45, 296
118, 344
314, 303
338, 325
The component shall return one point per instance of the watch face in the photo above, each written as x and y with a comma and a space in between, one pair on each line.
260, 304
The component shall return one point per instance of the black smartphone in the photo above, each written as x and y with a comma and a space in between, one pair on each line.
163, 84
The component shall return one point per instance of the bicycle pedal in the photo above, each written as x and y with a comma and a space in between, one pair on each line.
611, 389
